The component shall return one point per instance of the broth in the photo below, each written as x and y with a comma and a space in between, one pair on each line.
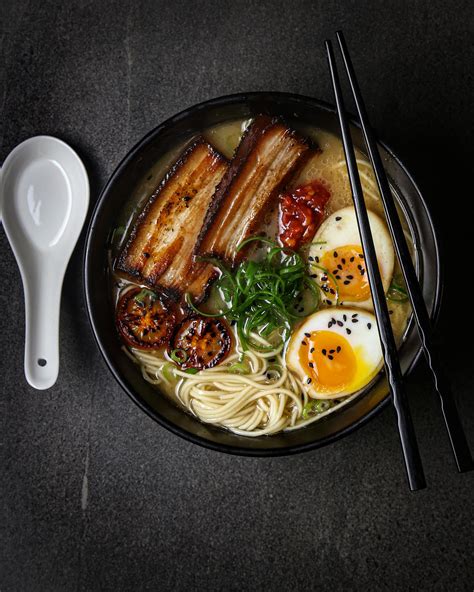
157, 367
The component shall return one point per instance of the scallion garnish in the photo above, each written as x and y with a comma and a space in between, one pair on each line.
168, 371
143, 295
316, 406
178, 355
264, 296
239, 368
397, 291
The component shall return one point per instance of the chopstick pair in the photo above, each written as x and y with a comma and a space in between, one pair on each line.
411, 455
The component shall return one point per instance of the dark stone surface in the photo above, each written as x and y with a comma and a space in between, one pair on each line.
94, 495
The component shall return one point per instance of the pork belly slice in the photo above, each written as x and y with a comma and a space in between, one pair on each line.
268, 155
159, 251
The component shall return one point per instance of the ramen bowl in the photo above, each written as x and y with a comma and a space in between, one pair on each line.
130, 178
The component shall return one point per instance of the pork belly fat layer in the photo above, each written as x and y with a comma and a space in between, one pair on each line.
159, 252
267, 156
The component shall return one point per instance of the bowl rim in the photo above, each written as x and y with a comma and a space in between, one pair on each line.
163, 421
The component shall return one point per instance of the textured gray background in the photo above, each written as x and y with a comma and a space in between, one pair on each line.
94, 495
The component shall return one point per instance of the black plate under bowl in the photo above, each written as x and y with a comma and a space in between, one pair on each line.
131, 174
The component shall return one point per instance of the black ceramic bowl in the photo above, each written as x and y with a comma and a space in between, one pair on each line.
131, 174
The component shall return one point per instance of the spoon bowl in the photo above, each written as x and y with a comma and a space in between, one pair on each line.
45, 196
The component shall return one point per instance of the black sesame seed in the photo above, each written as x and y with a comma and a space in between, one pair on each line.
338, 277
333, 321
329, 324
328, 302
311, 365
361, 256
334, 271
335, 253
346, 282
350, 277
340, 323
308, 381
362, 271
343, 261
354, 315
316, 259
339, 266
330, 357
355, 320
348, 331
332, 291
304, 343
307, 334
344, 317
311, 350
331, 351
314, 275
369, 326
338, 218
351, 259
324, 278
338, 349
323, 351
311, 258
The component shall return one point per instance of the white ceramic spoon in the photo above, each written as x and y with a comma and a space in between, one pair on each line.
44, 191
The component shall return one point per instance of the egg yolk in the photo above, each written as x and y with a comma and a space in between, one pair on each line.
347, 266
329, 360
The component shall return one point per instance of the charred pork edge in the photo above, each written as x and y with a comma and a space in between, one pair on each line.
120, 266
236, 166
279, 189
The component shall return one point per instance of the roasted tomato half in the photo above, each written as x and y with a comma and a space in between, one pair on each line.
200, 342
145, 319
301, 213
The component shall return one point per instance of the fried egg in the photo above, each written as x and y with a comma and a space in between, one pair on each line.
335, 352
337, 260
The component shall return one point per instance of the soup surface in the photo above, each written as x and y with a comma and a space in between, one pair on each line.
239, 279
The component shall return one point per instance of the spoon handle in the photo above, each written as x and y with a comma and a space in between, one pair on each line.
42, 305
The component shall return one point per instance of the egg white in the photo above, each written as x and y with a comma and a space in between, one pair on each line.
341, 229
363, 338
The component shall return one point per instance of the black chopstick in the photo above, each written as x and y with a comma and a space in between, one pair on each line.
452, 420
411, 455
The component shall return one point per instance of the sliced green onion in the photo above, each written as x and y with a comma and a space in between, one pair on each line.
189, 302
192, 370
316, 406
168, 371
179, 356
239, 368
396, 291
260, 295
143, 295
